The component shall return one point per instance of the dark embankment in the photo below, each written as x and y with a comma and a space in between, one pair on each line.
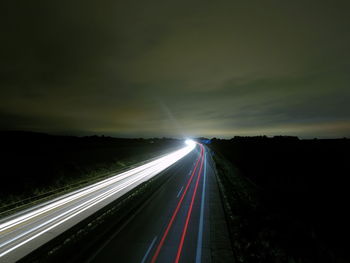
288, 198
34, 164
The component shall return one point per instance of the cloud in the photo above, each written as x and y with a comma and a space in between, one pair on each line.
223, 67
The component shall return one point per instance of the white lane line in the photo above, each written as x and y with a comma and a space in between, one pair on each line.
201, 223
99, 199
149, 250
92, 188
84, 191
179, 192
100, 196
80, 193
107, 241
143, 175
85, 207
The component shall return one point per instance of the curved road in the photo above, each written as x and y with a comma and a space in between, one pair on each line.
182, 222
24, 232
174, 225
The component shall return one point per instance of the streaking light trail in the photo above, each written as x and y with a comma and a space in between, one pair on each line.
174, 215
22, 233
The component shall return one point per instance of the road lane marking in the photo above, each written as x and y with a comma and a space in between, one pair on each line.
149, 250
73, 210
160, 245
84, 206
179, 192
128, 220
107, 187
182, 240
85, 191
201, 220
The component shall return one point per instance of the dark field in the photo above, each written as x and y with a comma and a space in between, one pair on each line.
37, 165
286, 199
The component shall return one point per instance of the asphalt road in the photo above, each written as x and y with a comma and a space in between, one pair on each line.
173, 226
23, 232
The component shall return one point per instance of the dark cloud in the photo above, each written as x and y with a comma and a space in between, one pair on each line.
176, 68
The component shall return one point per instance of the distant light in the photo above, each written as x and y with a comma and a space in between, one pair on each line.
64, 209
190, 142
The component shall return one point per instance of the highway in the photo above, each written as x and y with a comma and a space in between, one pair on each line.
24, 232
174, 225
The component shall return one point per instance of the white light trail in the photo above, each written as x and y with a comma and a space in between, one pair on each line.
19, 235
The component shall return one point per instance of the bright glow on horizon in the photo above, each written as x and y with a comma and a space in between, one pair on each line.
22, 229
190, 142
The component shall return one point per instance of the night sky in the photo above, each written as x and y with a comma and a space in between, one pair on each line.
176, 68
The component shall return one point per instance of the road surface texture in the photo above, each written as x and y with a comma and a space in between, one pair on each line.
182, 222
24, 232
